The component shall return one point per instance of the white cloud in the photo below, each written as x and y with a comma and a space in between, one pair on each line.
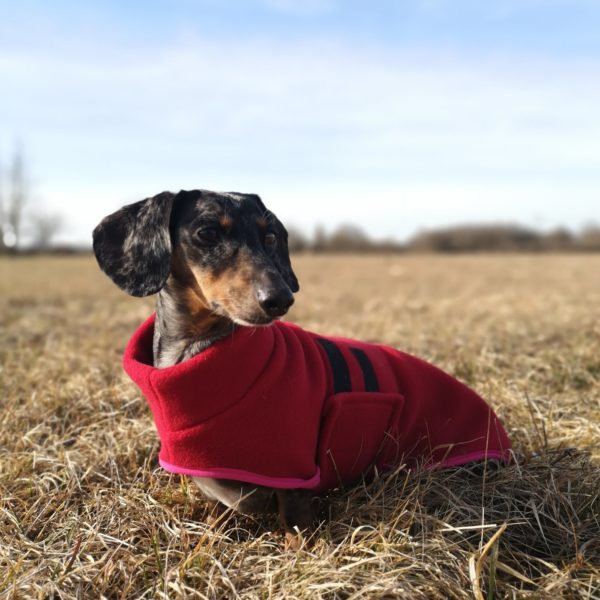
315, 119
302, 7
498, 9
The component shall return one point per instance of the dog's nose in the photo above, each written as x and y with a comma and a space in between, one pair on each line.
275, 302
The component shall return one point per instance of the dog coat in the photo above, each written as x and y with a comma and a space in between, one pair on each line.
283, 407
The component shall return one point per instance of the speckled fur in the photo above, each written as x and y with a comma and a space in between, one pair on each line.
152, 246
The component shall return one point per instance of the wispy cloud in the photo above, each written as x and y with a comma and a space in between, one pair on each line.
315, 122
302, 7
377, 111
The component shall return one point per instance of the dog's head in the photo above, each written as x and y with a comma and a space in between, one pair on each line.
226, 249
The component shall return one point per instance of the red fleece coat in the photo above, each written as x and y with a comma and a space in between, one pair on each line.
286, 408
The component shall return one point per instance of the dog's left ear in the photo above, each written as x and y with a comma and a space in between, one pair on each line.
133, 245
282, 253
282, 256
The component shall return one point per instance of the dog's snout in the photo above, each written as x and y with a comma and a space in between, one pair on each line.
275, 301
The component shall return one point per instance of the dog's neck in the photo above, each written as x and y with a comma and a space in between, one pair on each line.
184, 324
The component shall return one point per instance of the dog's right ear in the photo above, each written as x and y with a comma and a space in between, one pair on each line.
133, 245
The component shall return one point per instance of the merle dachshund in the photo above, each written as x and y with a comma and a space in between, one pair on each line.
216, 260
316, 413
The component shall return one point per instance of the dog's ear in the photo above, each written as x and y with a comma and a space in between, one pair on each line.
133, 245
282, 256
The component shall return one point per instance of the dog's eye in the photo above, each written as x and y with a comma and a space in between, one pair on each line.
208, 236
270, 240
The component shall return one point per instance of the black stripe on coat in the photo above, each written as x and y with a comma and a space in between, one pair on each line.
339, 368
371, 384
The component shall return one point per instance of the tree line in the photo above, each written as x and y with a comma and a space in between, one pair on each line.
456, 239
26, 226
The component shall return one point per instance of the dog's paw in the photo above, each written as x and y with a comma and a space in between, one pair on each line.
294, 541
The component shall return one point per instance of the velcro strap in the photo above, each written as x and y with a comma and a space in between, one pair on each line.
371, 384
340, 371
339, 368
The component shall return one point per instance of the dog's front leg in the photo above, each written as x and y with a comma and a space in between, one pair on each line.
295, 514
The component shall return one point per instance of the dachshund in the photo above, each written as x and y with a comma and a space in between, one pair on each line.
316, 411
217, 261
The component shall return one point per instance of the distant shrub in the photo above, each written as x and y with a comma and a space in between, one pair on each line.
297, 241
589, 239
477, 238
558, 240
349, 238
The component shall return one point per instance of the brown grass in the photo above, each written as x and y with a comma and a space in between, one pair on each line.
86, 513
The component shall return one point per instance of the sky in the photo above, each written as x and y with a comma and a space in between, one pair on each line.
396, 115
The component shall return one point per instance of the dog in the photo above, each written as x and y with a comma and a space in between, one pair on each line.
260, 413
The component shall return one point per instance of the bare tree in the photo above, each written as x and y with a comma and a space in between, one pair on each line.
590, 238
349, 238
17, 199
297, 241
2, 215
320, 239
44, 228
19, 216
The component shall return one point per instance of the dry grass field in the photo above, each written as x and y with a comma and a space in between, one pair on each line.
85, 512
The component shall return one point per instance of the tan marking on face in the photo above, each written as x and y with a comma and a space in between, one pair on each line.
226, 222
262, 222
202, 317
232, 290
195, 300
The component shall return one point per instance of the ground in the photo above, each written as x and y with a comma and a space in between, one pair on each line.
85, 512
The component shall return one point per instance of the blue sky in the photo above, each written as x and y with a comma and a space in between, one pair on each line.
396, 115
